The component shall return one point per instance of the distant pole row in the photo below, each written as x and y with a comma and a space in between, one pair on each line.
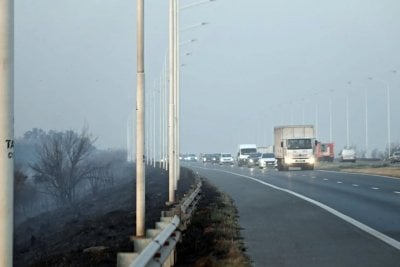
385, 88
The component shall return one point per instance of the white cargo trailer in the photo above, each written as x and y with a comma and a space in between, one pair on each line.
294, 146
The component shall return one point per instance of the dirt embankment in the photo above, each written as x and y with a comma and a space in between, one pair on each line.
213, 237
94, 232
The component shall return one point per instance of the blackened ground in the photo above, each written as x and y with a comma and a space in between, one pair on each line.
213, 237
99, 228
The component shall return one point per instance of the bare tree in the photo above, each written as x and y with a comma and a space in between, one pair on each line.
63, 163
100, 178
24, 193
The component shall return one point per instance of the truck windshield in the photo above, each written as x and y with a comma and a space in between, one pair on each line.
247, 151
299, 144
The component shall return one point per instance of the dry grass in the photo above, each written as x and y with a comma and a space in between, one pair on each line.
385, 171
377, 168
213, 237
227, 240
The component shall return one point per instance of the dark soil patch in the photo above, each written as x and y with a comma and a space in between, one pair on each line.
93, 233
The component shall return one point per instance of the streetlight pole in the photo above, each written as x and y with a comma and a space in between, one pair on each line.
330, 120
6, 132
347, 118
388, 117
387, 111
171, 108
177, 91
140, 168
366, 121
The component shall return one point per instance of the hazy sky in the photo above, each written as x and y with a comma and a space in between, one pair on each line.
256, 64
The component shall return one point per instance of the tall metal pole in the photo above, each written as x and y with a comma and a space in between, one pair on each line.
6, 133
177, 80
366, 122
161, 134
171, 113
166, 109
388, 117
330, 120
154, 124
387, 111
347, 118
330, 117
316, 120
140, 119
347, 122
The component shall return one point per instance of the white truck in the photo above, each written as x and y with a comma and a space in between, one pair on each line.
244, 151
265, 149
294, 146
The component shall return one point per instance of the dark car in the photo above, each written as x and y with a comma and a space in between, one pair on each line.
215, 158
207, 158
252, 160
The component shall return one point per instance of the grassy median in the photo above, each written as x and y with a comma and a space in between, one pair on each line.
213, 237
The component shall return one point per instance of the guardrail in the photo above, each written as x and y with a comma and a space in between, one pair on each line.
159, 246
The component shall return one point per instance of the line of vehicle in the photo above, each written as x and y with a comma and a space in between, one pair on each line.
388, 240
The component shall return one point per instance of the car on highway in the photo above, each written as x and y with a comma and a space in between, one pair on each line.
207, 158
215, 158
190, 157
348, 155
226, 158
267, 160
395, 157
252, 160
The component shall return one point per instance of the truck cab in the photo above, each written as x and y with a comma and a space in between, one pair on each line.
244, 151
294, 147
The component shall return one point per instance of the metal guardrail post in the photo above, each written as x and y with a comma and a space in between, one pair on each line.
161, 250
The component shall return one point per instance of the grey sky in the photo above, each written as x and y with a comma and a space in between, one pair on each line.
257, 64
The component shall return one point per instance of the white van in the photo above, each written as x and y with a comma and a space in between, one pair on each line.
348, 154
244, 151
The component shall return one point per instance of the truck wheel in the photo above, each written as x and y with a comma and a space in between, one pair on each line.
280, 166
285, 168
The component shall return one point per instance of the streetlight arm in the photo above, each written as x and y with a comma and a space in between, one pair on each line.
196, 4
194, 26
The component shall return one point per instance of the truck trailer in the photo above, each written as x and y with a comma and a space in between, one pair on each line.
294, 146
325, 152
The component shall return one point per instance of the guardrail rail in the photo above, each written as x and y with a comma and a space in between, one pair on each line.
158, 248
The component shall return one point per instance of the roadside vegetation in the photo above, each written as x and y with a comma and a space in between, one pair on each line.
213, 237
376, 167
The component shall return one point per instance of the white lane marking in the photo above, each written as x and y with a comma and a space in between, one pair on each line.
355, 185
396, 192
388, 240
360, 173
375, 188
326, 179
339, 182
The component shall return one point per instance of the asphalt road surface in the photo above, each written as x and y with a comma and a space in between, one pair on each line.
313, 218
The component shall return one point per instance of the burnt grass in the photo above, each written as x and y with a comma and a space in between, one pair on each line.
213, 236
92, 233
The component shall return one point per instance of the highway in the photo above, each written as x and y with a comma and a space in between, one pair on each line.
313, 218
